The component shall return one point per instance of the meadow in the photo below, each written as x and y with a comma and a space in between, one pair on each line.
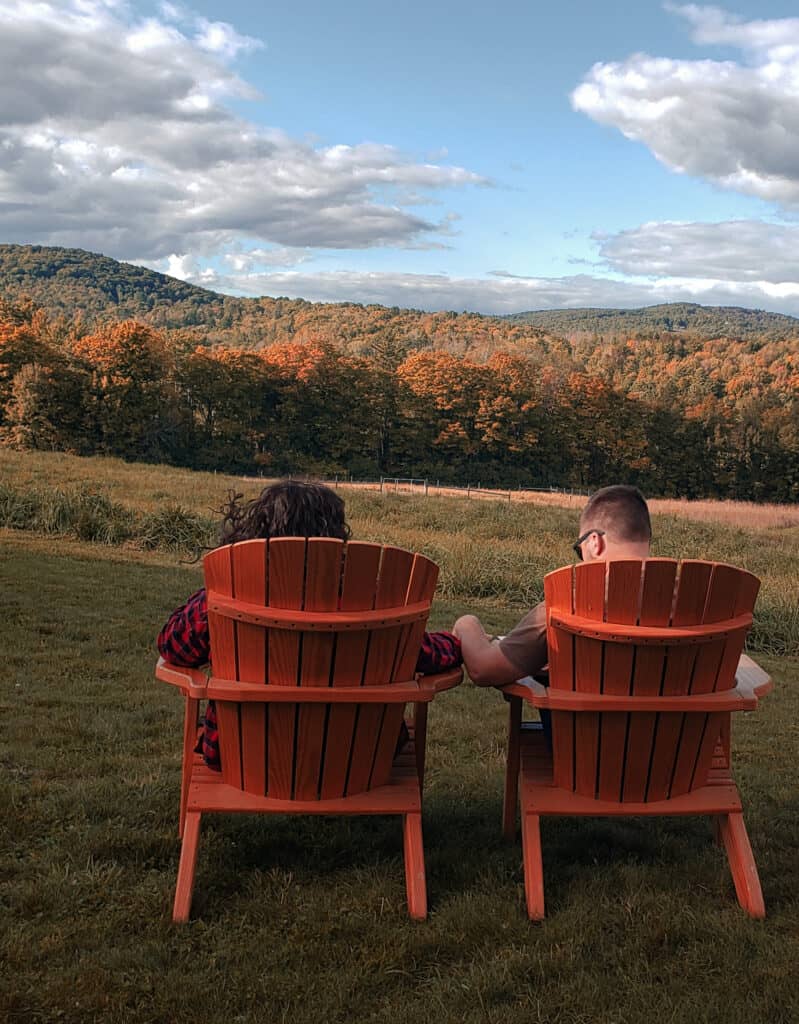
304, 919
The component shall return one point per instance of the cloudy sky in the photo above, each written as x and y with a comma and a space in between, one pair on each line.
512, 156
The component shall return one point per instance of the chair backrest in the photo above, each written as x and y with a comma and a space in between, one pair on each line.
309, 749
642, 756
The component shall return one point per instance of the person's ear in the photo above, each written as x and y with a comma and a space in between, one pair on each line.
596, 545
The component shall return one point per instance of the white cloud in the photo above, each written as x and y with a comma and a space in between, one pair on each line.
247, 261
220, 38
733, 123
502, 293
115, 136
745, 250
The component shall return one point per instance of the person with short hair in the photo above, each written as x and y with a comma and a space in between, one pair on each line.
614, 524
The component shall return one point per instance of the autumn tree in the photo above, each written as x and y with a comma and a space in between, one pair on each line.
134, 404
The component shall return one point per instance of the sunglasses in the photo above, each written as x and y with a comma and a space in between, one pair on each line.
577, 547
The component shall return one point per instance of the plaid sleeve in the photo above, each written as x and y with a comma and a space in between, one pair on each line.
439, 652
184, 640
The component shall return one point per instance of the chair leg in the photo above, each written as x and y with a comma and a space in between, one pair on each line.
533, 866
188, 862
190, 723
512, 769
742, 864
415, 881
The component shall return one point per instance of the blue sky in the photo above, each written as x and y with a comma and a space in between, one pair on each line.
431, 154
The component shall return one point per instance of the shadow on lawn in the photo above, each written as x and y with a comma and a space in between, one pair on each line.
465, 853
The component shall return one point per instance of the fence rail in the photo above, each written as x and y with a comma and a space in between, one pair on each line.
427, 487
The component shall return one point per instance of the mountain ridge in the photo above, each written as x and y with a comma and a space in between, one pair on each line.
69, 282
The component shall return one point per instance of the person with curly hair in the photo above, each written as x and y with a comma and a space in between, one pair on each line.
290, 508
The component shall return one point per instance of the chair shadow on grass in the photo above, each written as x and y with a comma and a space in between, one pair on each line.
465, 852
237, 850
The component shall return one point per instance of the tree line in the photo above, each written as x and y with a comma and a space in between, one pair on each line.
677, 417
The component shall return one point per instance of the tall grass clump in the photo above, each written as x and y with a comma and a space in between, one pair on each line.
17, 509
174, 528
79, 512
88, 515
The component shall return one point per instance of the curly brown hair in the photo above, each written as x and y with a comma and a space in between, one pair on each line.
289, 508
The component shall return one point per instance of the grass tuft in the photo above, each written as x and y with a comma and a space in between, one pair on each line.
174, 528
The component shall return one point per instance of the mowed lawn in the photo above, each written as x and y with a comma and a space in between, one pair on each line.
303, 919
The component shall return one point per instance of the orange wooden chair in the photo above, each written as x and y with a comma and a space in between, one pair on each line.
643, 659
314, 649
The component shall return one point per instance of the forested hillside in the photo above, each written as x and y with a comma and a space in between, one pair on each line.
671, 317
72, 283
676, 415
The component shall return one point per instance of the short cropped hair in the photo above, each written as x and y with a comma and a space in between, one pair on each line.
619, 510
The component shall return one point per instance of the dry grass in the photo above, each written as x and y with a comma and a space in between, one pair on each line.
747, 515
148, 487
744, 514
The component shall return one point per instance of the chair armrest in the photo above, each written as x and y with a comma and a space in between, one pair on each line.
540, 696
192, 681
528, 689
441, 681
751, 678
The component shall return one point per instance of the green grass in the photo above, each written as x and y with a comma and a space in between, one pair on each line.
302, 919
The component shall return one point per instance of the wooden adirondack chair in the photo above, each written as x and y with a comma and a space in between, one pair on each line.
642, 682
314, 645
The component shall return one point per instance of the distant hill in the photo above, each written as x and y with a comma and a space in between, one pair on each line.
71, 282
684, 317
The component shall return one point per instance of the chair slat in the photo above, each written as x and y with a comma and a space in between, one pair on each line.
229, 725
743, 588
368, 722
720, 601
589, 601
286, 583
623, 603
689, 607
218, 568
219, 576
249, 561
322, 584
558, 593
359, 585
657, 597
421, 587
392, 589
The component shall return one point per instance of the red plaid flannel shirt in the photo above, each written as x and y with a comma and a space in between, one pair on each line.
185, 640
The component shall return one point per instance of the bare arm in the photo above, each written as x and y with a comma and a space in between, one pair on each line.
484, 661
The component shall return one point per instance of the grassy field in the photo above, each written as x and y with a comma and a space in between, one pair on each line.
304, 920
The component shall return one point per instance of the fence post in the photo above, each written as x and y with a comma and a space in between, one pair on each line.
425, 488
381, 484
468, 490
